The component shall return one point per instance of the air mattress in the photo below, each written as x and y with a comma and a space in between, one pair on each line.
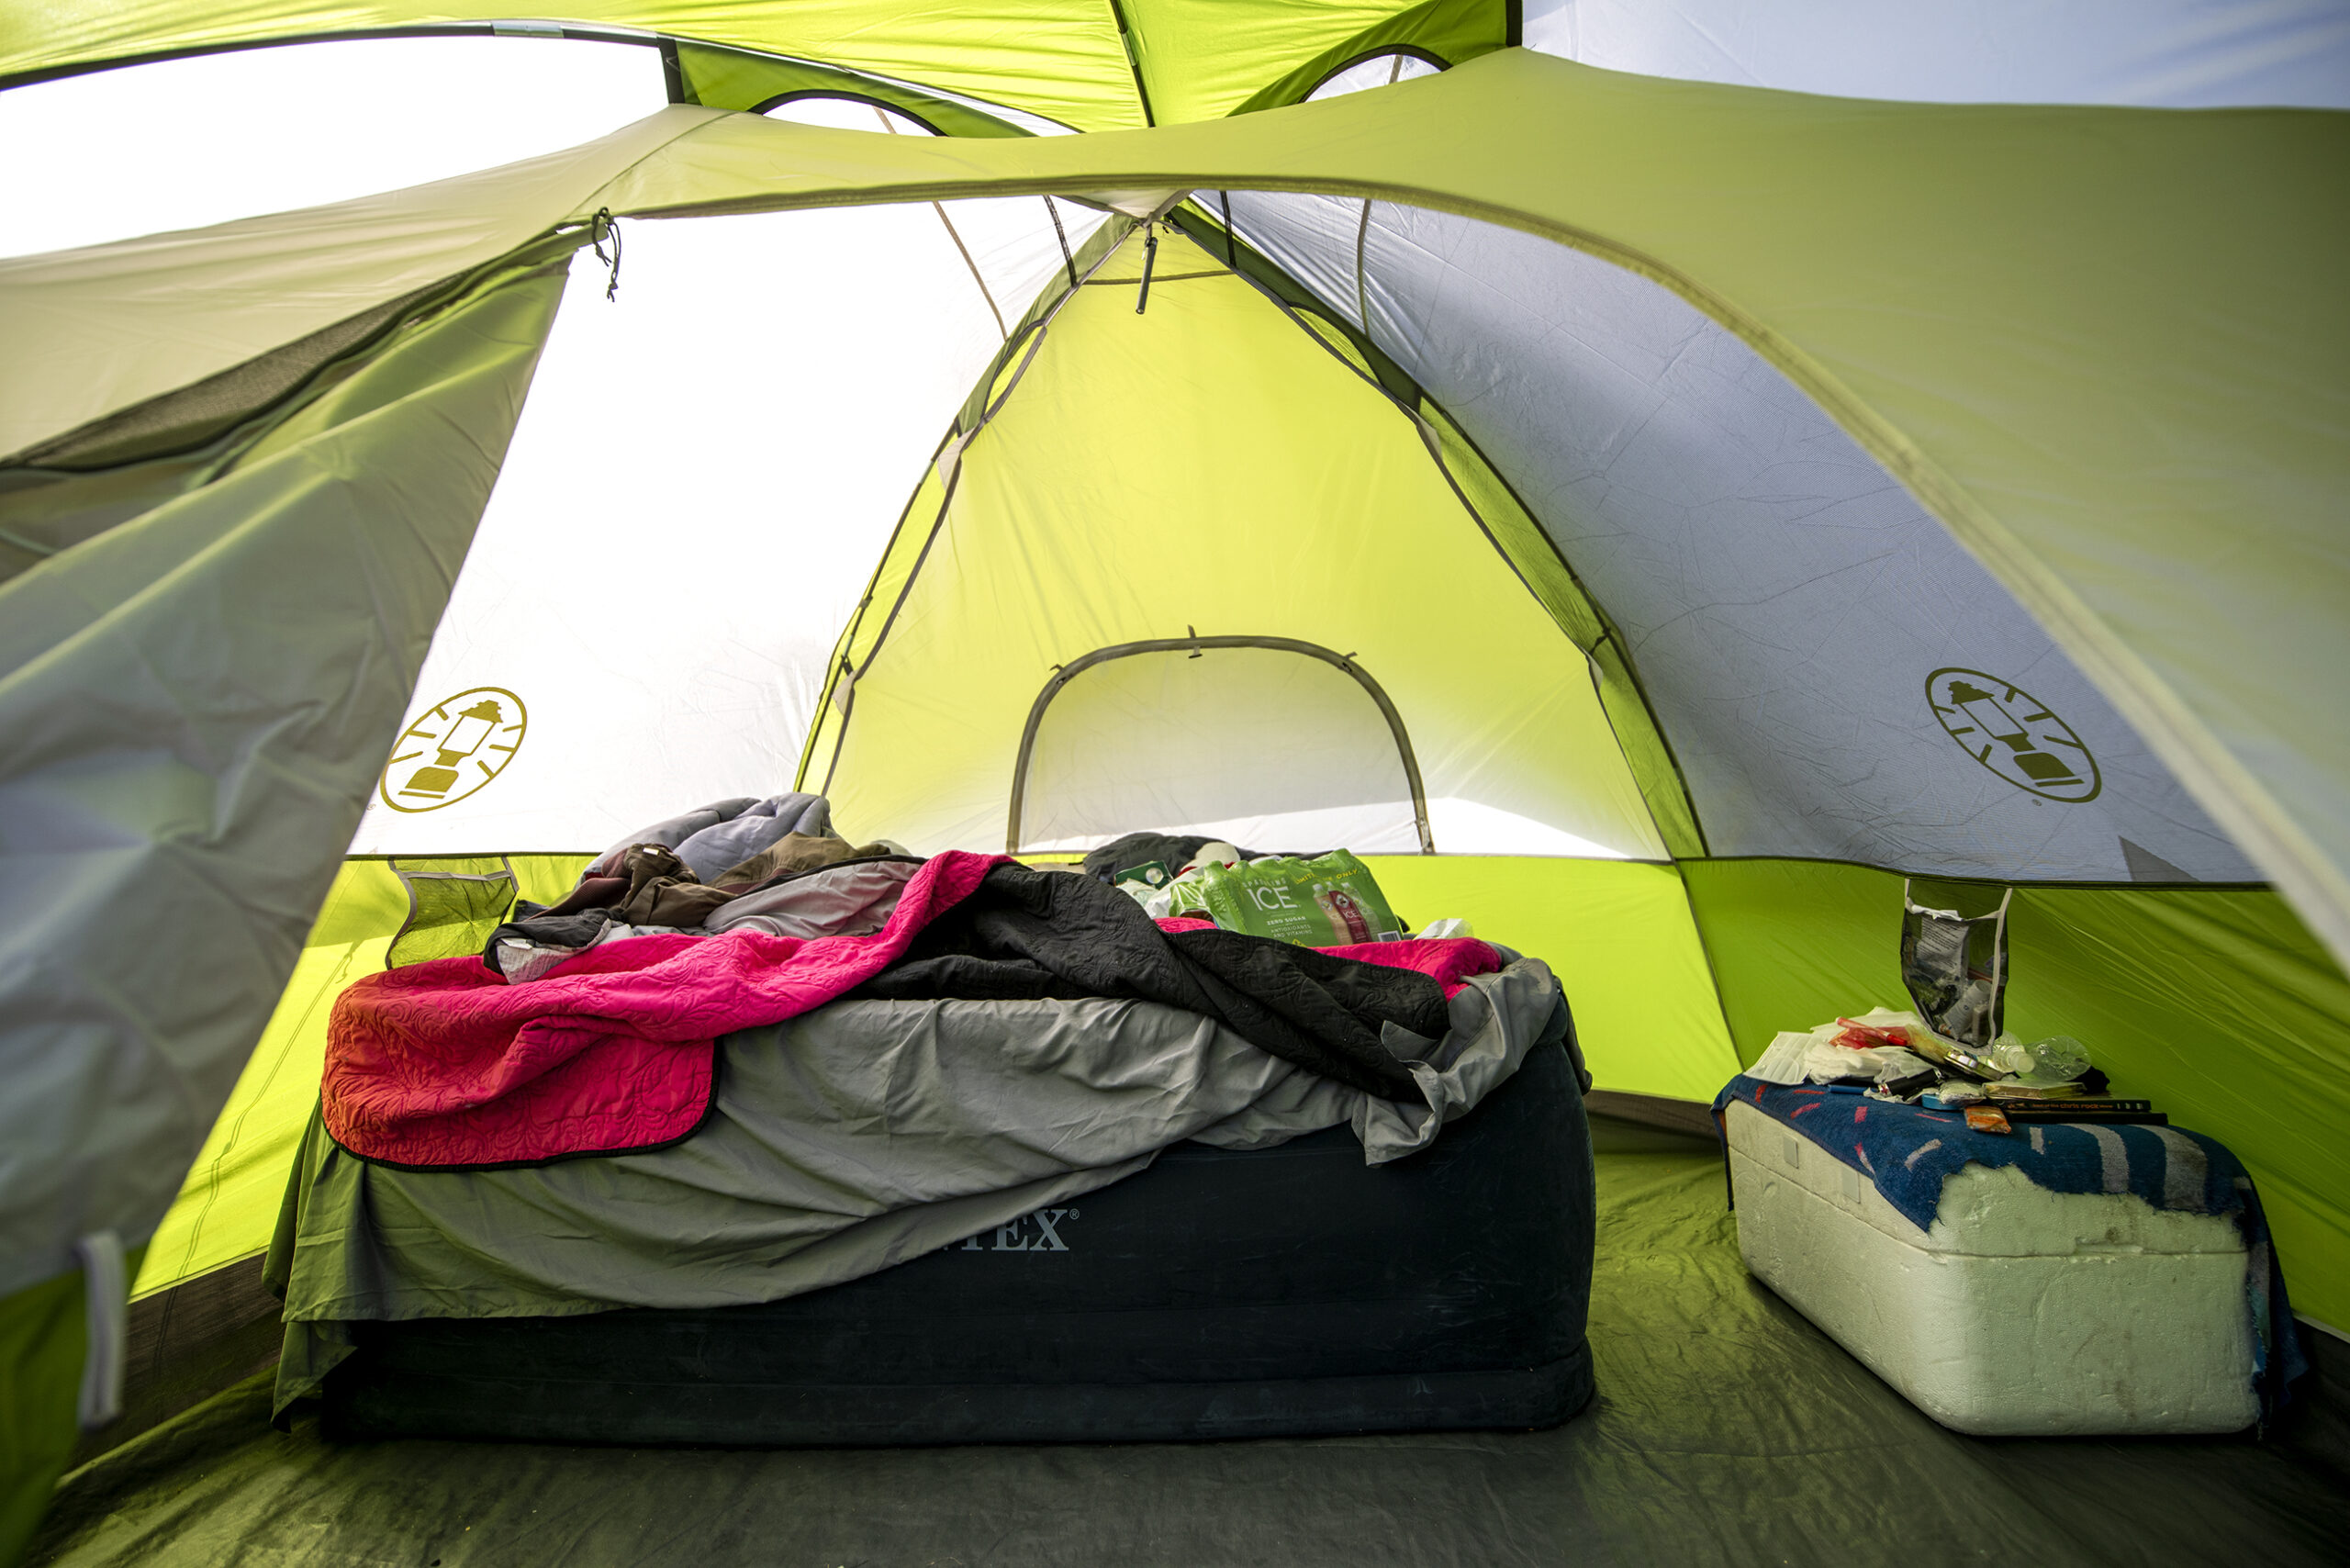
1218, 1293
2020, 1311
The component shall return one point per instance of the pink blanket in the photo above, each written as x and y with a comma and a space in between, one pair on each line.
446, 1064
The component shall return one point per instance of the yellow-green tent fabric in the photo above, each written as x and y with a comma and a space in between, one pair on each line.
1651, 447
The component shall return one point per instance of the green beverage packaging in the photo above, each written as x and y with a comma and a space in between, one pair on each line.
1332, 900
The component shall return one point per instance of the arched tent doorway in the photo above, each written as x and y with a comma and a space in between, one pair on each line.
1261, 744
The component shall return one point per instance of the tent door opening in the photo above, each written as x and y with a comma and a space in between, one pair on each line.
1262, 740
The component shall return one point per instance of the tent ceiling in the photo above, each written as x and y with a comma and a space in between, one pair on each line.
2051, 402
95, 331
182, 143
1090, 65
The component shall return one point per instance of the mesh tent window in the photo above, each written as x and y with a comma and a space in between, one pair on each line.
1256, 737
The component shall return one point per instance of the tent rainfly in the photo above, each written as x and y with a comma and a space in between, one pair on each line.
1654, 516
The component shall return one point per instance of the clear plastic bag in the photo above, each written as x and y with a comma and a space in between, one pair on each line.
2059, 1058
1956, 968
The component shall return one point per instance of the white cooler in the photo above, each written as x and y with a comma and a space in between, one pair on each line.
2020, 1312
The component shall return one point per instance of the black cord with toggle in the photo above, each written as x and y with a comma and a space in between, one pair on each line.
600, 227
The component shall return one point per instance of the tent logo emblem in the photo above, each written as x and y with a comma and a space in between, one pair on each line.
453, 749
2013, 734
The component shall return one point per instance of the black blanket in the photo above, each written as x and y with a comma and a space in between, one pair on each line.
1051, 934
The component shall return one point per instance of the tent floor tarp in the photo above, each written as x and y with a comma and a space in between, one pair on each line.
1726, 1429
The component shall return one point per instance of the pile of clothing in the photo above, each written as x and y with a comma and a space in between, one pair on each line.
707, 871
589, 1026
1900, 1057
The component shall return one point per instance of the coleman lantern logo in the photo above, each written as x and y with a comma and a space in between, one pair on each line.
453, 749
2013, 734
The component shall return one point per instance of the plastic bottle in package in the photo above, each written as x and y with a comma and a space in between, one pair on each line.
1332, 900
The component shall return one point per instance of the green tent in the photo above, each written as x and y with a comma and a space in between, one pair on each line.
1652, 518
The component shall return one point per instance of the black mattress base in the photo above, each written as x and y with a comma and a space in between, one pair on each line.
1291, 1290
863, 1415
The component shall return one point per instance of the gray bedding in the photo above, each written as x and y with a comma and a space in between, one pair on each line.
842, 1142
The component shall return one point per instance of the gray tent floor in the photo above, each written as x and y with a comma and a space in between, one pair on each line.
1726, 1429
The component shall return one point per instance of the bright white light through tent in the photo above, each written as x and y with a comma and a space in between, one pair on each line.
845, 113
2155, 53
705, 475
1010, 255
1379, 71
185, 143
1265, 747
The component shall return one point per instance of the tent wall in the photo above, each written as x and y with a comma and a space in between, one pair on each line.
1676, 470
191, 706
171, 338
1621, 936
1206, 467
2217, 1004
1990, 300
720, 452
1499, 511
2165, 53
42, 1341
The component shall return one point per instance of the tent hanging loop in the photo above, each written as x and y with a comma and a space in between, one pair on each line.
600, 227
1150, 257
